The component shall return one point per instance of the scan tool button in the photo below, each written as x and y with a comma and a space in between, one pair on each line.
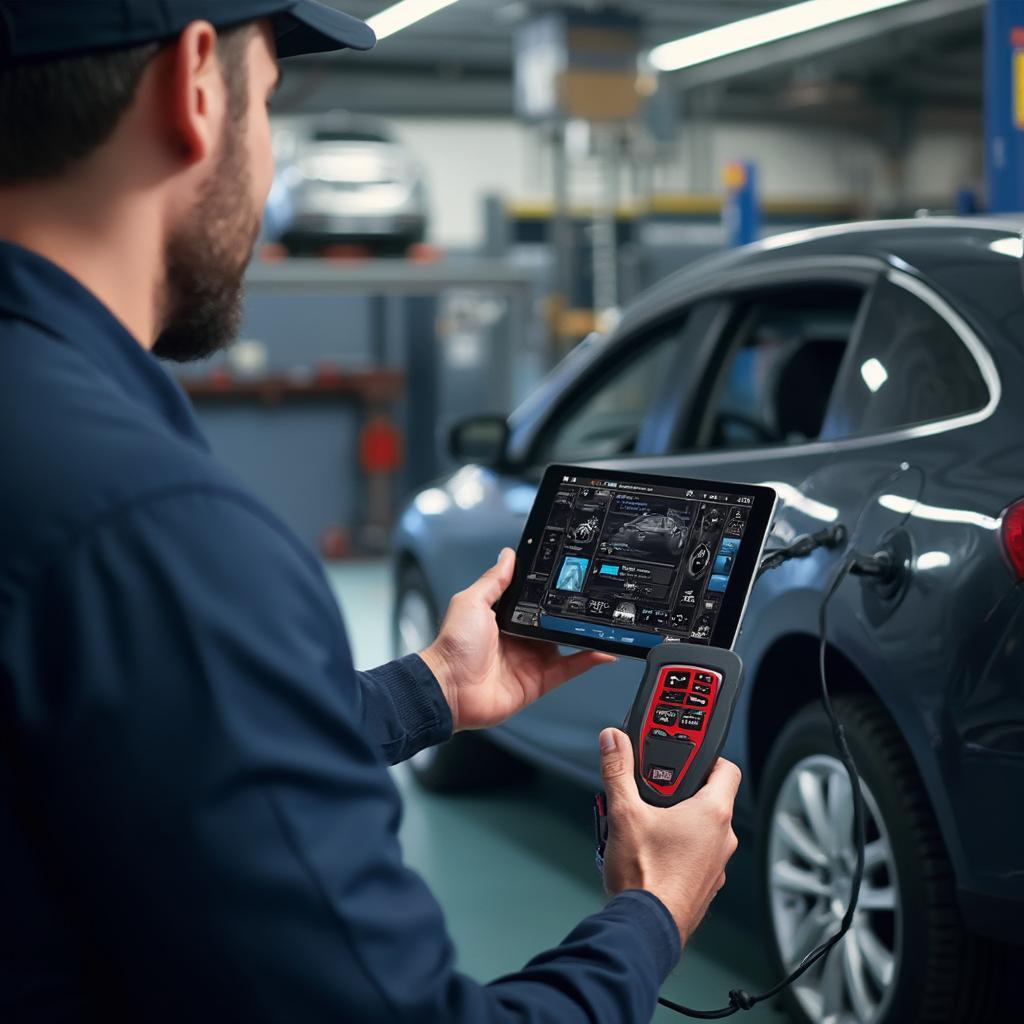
700, 688
703, 677
672, 697
680, 680
691, 719
696, 700
665, 716
659, 732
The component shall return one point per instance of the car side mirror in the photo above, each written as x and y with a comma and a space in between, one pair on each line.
479, 439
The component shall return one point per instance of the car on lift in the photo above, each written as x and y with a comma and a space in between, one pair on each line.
342, 179
874, 375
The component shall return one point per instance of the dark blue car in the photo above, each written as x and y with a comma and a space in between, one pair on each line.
874, 375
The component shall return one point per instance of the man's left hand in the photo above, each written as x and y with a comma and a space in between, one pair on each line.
488, 676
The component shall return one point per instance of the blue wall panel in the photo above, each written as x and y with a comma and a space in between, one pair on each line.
1004, 105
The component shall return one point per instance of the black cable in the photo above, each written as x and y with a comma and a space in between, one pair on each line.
808, 543
739, 999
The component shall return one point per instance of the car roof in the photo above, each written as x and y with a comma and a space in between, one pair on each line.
919, 242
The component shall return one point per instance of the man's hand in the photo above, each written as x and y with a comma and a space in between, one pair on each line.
678, 853
487, 676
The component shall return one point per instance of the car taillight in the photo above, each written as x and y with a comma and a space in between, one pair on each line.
1013, 537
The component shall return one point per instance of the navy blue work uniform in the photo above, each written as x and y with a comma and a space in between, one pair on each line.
197, 822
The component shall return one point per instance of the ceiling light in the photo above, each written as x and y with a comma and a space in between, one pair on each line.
403, 14
759, 30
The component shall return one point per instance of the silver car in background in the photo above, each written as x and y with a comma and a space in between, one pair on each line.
342, 179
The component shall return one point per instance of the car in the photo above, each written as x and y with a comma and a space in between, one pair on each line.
662, 534
873, 374
342, 179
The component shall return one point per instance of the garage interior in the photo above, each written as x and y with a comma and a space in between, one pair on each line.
502, 191
562, 173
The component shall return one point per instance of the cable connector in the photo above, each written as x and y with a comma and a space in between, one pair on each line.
880, 566
741, 1000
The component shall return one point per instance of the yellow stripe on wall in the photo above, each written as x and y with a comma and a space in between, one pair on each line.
1018, 89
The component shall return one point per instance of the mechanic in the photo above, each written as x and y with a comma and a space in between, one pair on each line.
196, 817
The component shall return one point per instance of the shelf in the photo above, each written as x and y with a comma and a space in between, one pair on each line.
377, 386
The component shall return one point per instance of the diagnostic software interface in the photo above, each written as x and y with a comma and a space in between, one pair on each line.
634, 564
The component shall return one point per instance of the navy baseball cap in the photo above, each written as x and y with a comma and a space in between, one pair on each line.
41, 29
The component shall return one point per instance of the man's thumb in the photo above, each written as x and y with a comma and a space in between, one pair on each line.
493, 583
616, 761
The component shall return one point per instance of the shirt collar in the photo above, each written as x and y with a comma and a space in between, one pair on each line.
37, 291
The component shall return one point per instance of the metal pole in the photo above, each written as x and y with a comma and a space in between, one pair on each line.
741, 211
606, 248
562, 240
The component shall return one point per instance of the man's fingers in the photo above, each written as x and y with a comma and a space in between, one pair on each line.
617, 766
723, 782
495, 581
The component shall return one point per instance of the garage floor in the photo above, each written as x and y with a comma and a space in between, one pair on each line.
514, 871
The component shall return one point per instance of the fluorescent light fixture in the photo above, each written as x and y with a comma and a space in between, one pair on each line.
403, 14
759, 30
874, 374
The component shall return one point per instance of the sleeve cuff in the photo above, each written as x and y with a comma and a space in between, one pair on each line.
424, 717
655, 923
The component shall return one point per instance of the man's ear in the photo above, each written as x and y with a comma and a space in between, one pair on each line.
196, 97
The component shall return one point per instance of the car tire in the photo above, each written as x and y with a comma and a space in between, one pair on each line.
468, 761
937, 971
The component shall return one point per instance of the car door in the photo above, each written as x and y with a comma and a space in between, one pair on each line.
748, 401
903, 374
918, 458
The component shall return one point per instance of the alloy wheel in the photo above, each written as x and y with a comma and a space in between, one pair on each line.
811, 860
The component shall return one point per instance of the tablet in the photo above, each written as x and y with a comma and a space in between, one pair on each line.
620, 562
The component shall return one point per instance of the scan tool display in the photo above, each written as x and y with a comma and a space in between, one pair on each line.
620, 561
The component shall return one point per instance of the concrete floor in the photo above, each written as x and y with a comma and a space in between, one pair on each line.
514, 870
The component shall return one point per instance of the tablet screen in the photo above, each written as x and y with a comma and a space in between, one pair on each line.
623, 561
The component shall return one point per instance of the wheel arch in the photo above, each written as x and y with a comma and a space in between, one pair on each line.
795, 657
406, 558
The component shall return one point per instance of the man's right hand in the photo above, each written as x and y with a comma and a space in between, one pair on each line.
677, 853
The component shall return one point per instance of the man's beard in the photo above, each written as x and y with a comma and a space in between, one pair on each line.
206, 261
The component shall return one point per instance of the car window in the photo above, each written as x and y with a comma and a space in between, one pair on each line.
778, 366
605, 420
909, 367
